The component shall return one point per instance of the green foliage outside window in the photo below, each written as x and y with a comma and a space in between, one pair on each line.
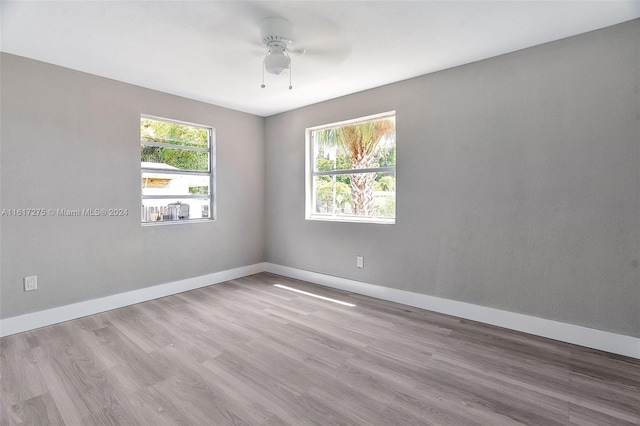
173, 133
178, 135
324, 195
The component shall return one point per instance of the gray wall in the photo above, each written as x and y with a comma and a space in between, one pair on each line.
518, 184
71, 140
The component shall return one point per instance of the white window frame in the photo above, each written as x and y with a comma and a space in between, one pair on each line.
211, 173
310, 174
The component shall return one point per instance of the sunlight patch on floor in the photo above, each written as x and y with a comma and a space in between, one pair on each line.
340, 302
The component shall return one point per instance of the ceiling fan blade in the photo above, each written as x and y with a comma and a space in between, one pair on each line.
297, 52
328, 52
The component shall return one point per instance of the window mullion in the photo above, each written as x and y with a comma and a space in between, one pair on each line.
172, 146
385, 169
174, 172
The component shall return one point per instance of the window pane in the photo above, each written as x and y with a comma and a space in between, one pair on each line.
363, 145
165, 210
173, 133
384, 194
330, 196
171, 184
170, 158
358, 194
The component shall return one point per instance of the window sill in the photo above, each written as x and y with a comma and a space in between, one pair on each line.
378, 221
175, 222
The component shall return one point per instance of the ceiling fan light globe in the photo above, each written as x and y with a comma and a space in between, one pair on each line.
276, 63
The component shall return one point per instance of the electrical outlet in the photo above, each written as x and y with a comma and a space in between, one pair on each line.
360, 261
30, 283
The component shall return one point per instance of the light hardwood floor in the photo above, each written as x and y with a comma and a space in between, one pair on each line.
245, 352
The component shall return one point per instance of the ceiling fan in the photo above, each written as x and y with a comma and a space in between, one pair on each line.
277, 35
324, 45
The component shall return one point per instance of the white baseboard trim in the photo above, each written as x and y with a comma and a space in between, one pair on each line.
575, 334
569, 333
52, 316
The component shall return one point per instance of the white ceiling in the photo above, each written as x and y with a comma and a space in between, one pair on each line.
210, 50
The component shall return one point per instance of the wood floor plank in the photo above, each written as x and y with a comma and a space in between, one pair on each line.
247, 353
202, 396
70, 407
21, 379
37, 411
75, 364
583, 416
131, 356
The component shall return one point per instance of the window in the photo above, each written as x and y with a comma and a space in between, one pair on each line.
351, 170
177, 163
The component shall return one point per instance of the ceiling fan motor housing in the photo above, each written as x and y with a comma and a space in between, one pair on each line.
276, 31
